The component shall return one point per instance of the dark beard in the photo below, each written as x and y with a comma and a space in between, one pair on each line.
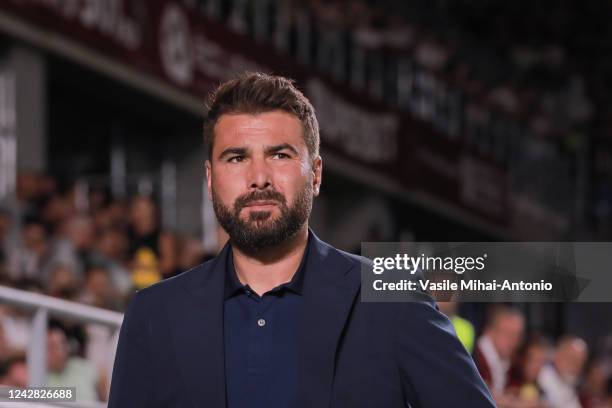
260, 231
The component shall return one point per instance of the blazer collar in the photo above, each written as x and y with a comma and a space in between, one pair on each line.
331, 283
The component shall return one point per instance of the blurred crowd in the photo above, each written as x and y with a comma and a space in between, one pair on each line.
527, 370
512, 59
505, 79
82, 246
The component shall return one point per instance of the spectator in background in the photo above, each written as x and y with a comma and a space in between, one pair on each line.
28, 259
74, 248
523, 382
559, 380
26, 205
145, 268
495, 348
102, 219
150, 247
14, 371
98, 290
65, 370
63, 282
118, 210
55, 212
16, 326
594, 390
111, 253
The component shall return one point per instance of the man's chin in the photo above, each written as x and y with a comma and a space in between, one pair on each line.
257, 239
259, 225
259, 217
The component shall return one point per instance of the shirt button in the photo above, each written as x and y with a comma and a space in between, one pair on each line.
261, 322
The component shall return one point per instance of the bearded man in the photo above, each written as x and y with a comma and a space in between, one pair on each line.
275, 319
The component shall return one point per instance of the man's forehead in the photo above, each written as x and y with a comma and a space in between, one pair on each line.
269, 128
271, 119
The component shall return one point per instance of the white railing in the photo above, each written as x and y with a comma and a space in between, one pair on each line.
21, 404
44, 307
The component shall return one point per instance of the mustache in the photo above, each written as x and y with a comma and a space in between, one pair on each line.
267, 195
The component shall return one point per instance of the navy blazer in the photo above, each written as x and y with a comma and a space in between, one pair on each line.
352, 354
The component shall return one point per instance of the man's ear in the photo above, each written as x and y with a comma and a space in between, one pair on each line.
207, 166
317, 171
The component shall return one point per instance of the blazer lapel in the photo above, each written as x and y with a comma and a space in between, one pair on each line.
331, 285
196, 317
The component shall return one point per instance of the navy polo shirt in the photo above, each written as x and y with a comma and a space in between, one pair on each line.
260, 336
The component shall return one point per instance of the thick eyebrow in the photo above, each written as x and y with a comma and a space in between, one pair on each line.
278, 148
239, 151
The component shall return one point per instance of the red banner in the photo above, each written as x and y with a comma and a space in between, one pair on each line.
181, 46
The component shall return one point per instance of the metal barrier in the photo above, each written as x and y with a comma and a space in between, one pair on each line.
5, 403
45, 307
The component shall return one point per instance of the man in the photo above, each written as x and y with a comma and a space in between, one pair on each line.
559, 380
275, 319
501, 338
72, 371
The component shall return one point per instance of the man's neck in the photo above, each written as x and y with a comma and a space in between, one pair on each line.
272, 266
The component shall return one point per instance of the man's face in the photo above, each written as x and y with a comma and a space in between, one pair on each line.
570, 359
507, 334
535, 359
57, 350
261, 178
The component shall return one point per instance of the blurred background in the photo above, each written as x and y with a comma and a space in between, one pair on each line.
441, 120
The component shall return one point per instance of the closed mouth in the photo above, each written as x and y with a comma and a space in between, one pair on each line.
260, 203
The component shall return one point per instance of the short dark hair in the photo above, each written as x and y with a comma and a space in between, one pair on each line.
257, 92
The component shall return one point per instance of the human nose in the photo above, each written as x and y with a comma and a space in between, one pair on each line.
259, 174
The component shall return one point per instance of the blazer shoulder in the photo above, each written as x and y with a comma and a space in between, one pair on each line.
353, 258
171, 285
